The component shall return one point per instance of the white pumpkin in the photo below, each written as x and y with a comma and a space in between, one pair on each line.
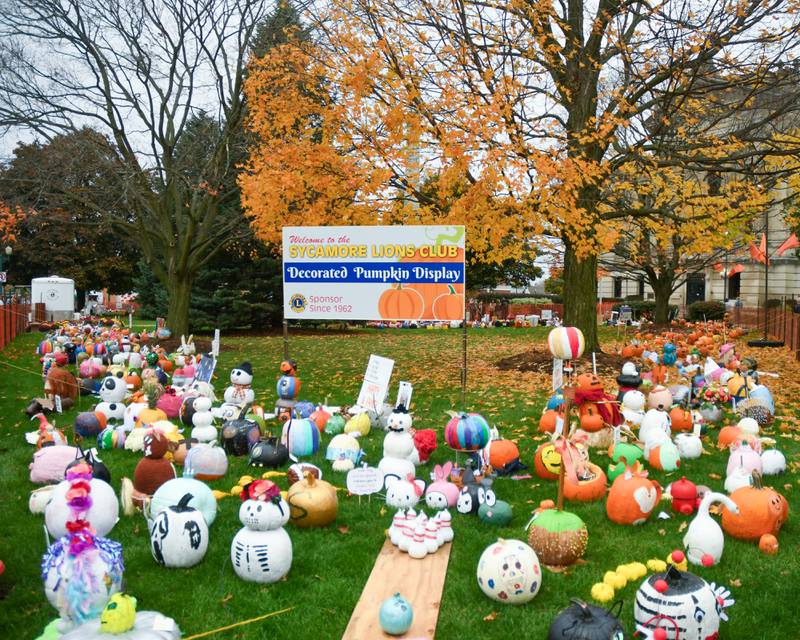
262, 550
748, 426
103, 514
205, 462
97, 571
179, 535
509, 572
655, 430
704, 538
202, 420
148, 625
696, 606
40, 497
403, 493
113, 411
132, 412
114, 388
171, 492
737, 479
773, 462
689, 446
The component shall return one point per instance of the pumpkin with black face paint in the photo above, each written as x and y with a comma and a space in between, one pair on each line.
262, 550
179, 535
468, 502
682, 603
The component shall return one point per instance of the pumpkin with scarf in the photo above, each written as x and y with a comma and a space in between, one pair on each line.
592, 399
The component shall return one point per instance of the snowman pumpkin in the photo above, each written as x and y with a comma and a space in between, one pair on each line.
262, 551
399, 454
240, 390
203, 429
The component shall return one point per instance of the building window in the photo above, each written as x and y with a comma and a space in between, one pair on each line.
617, 287
641, 287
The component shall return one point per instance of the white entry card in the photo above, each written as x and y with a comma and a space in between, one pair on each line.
376, 382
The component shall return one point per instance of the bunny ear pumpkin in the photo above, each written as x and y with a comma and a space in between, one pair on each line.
438, 472
447, 468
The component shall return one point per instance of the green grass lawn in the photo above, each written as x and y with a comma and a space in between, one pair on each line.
331, 565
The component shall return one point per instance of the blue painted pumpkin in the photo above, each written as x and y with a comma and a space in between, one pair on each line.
304, 409
467, 432
288, 387
556, 400
301, 436
396, 615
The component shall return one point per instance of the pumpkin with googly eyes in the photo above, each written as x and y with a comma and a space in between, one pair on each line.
491, 510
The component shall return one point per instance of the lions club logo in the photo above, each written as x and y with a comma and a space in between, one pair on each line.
297, 302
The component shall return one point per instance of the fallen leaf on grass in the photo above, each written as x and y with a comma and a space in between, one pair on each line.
735, 582
344, 529
662, 532
491, 617
227, 598
715, 509
683, 526
715, 476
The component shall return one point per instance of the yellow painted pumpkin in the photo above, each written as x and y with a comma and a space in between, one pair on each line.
312, 502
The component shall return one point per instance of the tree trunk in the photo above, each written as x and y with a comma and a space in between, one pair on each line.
580, 296
179, 288
662, 288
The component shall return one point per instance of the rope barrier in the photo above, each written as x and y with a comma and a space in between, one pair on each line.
238, 624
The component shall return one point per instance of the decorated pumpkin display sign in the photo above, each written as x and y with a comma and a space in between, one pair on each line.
559, 538
509, 572
682, 604
262, 551
761, 510
632, 497
467, 432
581, 621
312, 502
179, 535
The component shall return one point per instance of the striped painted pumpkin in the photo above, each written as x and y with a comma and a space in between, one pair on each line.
45, 347
566, 343
288, 387
467, 432
301, 436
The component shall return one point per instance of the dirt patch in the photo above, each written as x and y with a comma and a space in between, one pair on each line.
541, 361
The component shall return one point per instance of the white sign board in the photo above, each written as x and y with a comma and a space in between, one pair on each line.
404, 392
373, 273
376, 383
547, 314
363, 481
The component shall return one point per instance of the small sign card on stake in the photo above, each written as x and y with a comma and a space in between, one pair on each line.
364, 481
376, 382
404, 392
558, 373
215, 344
58, 404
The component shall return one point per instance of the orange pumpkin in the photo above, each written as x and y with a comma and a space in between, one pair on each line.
681, 419
502, 452
768, 544
449, 306
728, 435
632, 497
400, 303
547, 423
593, 488
547, 461
589, 382
134, 381
591, 420
628, 351
761, 510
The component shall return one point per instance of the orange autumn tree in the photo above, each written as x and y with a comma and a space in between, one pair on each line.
10, 219
539, 104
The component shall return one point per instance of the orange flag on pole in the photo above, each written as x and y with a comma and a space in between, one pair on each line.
790, 243
759, 254
737, 268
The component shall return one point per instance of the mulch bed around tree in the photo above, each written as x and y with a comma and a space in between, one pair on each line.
541, 361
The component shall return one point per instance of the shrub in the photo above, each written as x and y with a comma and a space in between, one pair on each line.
708, 310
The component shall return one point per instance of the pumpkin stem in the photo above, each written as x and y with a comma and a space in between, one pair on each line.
310, 479
452, 289
183, 503
757, 480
